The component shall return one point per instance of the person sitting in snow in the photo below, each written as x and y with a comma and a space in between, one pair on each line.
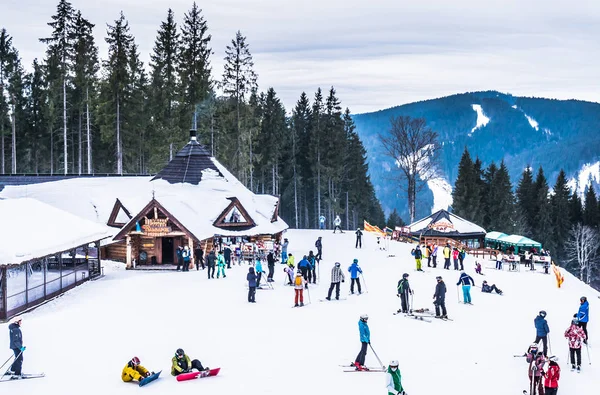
134, 371
181, 363
485, 287
394, 380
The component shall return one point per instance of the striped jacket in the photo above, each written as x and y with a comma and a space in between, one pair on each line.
337, 275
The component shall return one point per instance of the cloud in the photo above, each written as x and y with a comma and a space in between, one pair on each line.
377, 53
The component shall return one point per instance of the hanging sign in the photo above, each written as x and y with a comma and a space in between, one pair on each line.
442, 226
156, 227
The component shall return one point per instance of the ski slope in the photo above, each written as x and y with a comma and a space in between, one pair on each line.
83, 339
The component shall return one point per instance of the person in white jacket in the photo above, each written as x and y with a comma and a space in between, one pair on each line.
394, 380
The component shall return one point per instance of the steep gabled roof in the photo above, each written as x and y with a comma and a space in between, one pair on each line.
235, 216
443, 223
119, 215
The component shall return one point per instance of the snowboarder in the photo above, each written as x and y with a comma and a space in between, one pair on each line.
199, 258
252, 283
211, 260
535, 371
542, 330
321, 222
179, 254
221, 265
284, 254
259, 271
461, 257
227, 255
354, 270
181, 363
583, 316
466, 282
338, 224
394, 379
418, 256
299, 284
312, 271
319, 245
271, 266
134, 371
455, 254
16, 345
186, 255
336, 276
552, 377
358, 238
447, 253
576, 337
428, 252
434, 255
365, 340
439, 298
304, 267
485, 287
403, 292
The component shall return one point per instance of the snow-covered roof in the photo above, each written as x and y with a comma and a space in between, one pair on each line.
496, 236
445, 224
520, 241
32, 229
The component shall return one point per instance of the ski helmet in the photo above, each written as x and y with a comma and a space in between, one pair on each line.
438, 278
179, 353
534, 346
337, 264
393, 364
299, 273
16, 320
405, 275
355, 260
135, 361
364, 317
575, 321
484, 281
583, 299
543, 314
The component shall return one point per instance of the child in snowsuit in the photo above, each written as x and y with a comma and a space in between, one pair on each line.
299, 284
576, 336
552, 377
251, 278
478, 268
134, 371
354, 270
291, 262
290, 273
181, 363
403, 292
221, 265
394, 379
418, 256
365, 339
536, 370
259, 271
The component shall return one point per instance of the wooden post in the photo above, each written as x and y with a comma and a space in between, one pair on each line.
191, 245
128, 254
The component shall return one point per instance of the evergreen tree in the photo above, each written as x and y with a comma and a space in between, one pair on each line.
8, 58
301, 118
18, 104
36, 151
591, 215
465, 194
561, 223
500, 199
394, 220
334, 145
525, 194
314, 153
479, 213
542, 222
488, 195
136, 115
575, 209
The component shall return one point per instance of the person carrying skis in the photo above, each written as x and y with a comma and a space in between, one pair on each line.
252, 284
271, 266
211, 260
439, 298
354, 270
418, 256
447, 254
284, 254
542, 330
552, 377
403, 292
583, 316
181, 363
16, 345
336, 276
221, 265
299, 284
338, 224
485, 287
365, 340
319, 246
358, 238
576, 337
536, 371
466, 282
394, 379
134, 371
428, 254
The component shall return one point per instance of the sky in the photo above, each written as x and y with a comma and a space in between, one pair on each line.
377, 53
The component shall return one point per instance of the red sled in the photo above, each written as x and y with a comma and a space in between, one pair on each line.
198, 375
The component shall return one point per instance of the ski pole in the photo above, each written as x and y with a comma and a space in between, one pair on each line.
365, 283
9, 358
308, 292
457, 294
378, 360
410, 310
587, 347
17, 357
549, 345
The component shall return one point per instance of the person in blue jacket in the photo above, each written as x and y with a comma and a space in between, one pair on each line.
259, 271
365, 340
466, 282
583, 316
542, 330
354, 270
305, 267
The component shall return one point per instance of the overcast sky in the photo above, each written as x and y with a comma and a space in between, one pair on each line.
376, 53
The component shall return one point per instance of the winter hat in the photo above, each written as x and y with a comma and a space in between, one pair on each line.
355, 260
438, 278
16, 319
575, 321
298, 274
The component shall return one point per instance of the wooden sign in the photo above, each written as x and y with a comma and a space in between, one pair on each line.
156, 227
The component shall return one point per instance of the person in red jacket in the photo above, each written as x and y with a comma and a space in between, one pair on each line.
552, 377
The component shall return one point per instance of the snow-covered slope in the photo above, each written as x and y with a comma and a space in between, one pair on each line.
83, 339
482, 119
589, 171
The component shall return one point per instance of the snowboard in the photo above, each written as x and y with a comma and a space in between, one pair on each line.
149, 379
198, 375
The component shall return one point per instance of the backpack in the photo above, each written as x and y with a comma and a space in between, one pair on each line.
298, 280
412, 252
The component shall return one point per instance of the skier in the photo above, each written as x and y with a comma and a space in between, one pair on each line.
440, 298
428, 254
447, 253
337, 223
312, 271
542, 330
185, 254
552, 377
499, 260
291, 262
365, 340
403, 292
227, 255
336, 277
455, 254
252, 283
536, 371
358, 238
466, 282
434, 255
284, 247
199, 258
134, 371
259, 271
319, 245
583, 316
354, 270
322, 222
576, 337
393, 376
271, 266
461, 257
181, 363
485, 287
418, 256
221, 265
210, 261
304, 268
299, 284
16, 345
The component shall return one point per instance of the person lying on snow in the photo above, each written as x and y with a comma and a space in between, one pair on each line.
181, 363
485, 287
134, 371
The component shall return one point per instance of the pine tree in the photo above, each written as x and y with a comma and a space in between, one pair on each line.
575, 209
394, 220
542, 222
136, 115
481, 193
18, 104
561, 224
37, 151
8, 58
500, 200
301, 118
465, 193
525, 194
315, 152
488, 195
334, 146
591, 215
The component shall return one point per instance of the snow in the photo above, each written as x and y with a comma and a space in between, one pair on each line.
532, 122
589, 171
482, 120
442, 194
83, 339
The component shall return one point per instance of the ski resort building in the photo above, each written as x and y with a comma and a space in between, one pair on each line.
442, 225
44, 252
192, 202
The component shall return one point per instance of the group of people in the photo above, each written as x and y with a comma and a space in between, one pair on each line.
180, 363
430, 252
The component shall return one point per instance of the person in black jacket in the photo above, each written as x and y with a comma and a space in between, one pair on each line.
199, 258
227, 256
358, 238
16, 345
403, 292
319, 245
211, 260
439, 298
271, 266
252, 283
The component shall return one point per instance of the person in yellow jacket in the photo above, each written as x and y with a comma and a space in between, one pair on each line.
447, 253
134, 371
181, 363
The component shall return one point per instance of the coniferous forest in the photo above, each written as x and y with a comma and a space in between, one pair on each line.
78, 111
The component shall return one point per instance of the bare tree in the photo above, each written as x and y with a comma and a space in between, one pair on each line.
413, 146
582, 249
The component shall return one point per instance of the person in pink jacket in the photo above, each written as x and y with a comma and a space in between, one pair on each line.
576, 336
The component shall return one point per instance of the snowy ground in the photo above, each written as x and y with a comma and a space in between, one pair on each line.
84, 338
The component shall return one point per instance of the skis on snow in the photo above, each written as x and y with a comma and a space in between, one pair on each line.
24, 376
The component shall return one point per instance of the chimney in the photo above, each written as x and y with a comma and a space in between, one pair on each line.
193, 135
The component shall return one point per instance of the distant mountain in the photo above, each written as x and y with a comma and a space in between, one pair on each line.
494, 126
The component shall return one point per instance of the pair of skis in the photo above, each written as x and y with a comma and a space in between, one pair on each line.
352, 368
7, 376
